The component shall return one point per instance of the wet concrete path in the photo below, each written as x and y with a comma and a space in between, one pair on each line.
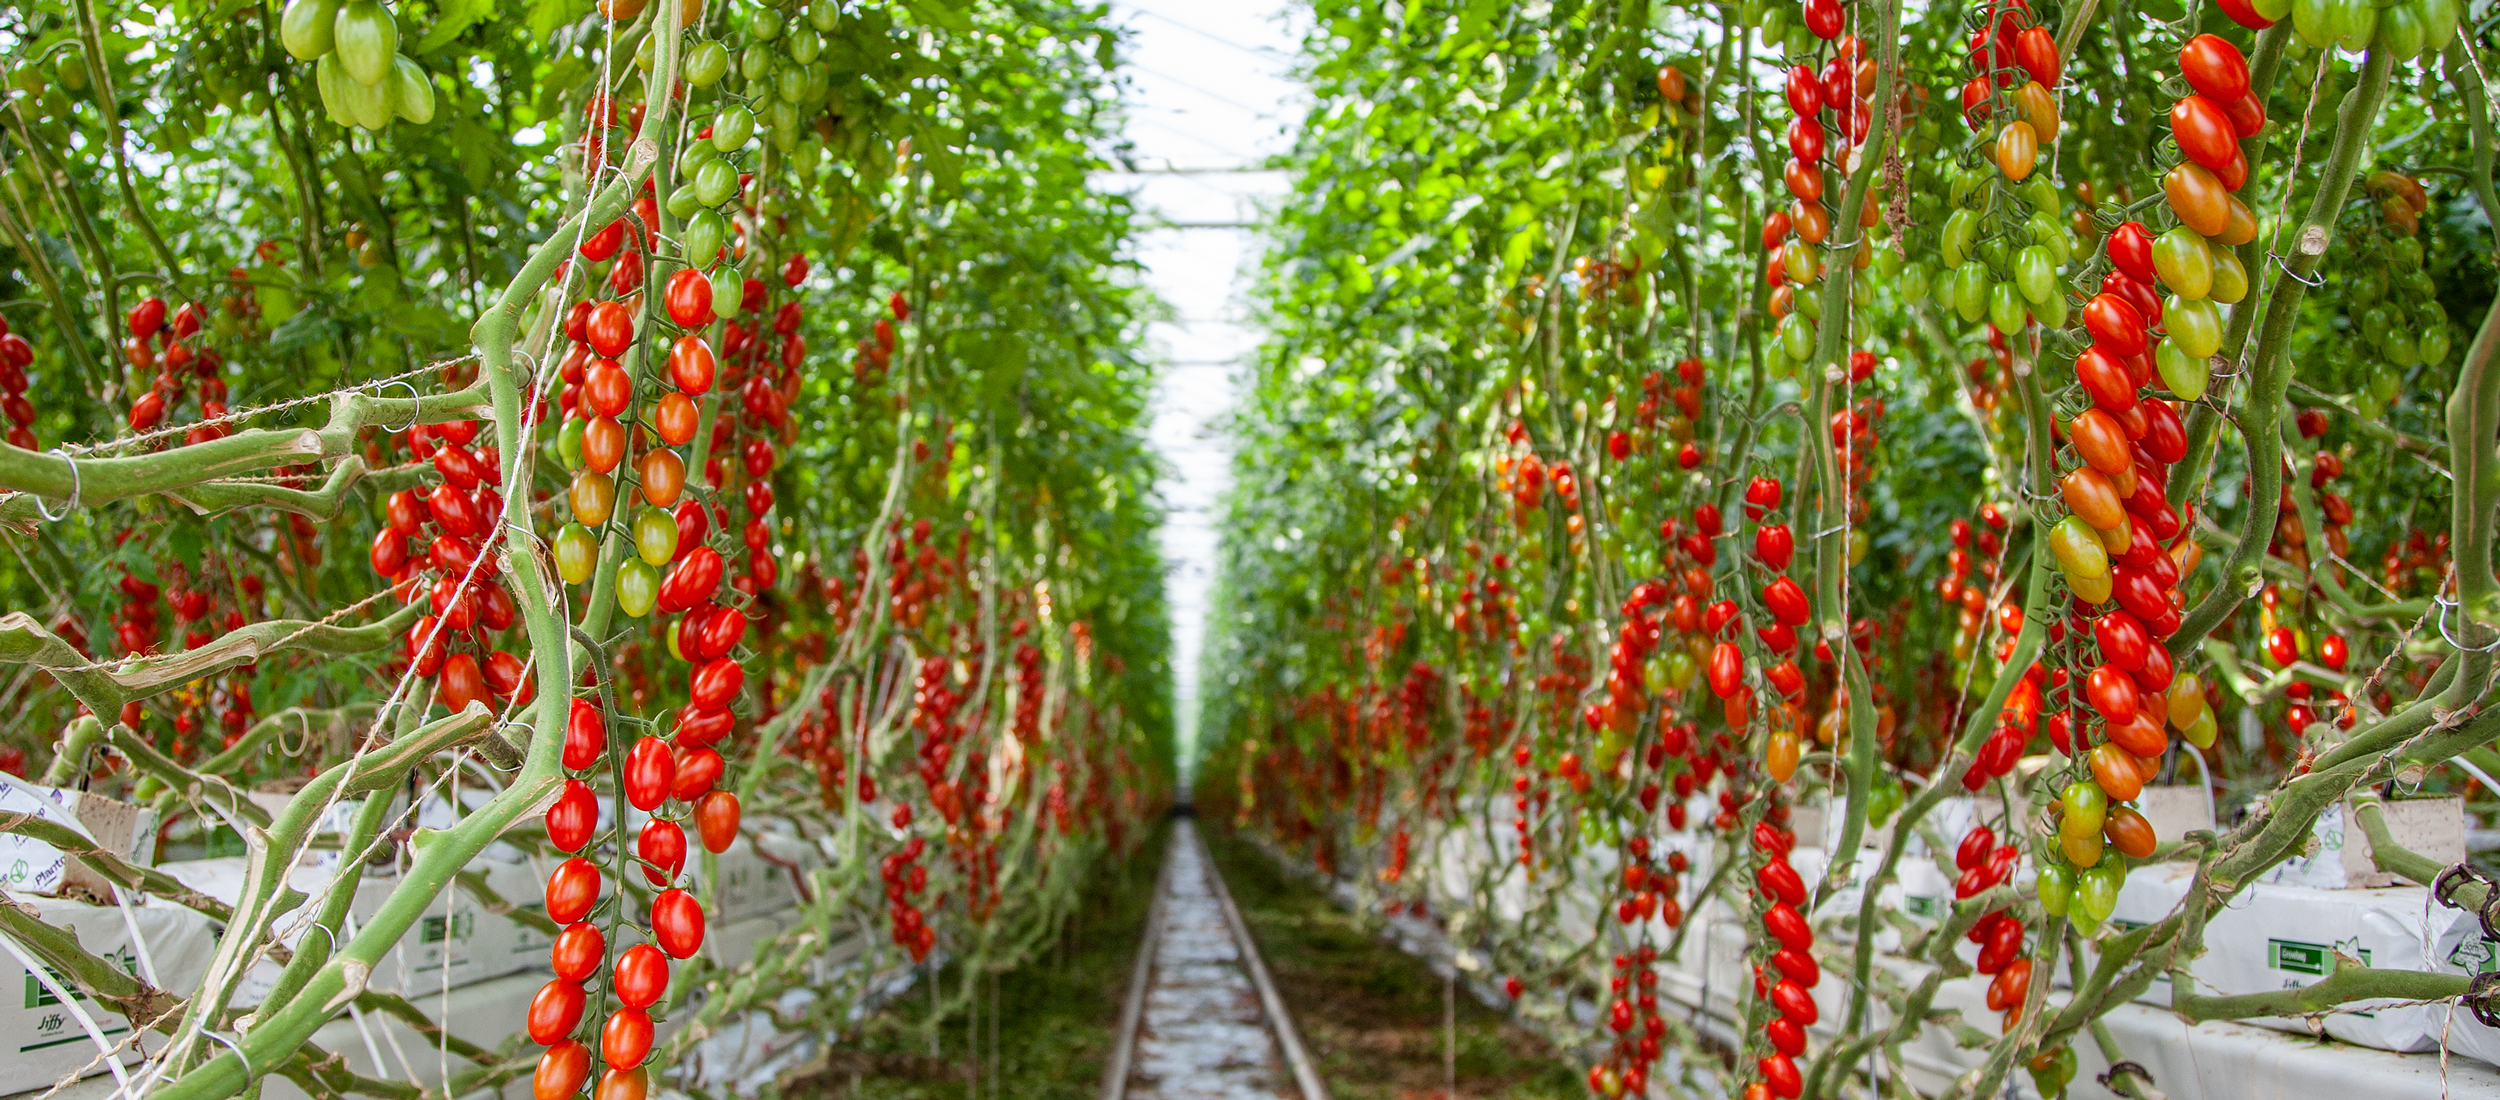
1202, 1016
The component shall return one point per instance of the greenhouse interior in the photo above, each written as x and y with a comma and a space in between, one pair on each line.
1249, 549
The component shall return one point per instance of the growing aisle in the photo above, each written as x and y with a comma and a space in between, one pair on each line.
1203, 1020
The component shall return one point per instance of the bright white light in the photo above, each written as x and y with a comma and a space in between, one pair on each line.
1209, 99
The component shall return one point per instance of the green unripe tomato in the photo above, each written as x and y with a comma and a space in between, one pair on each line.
790, 84
2315, 21
2052, 313
2400, 346
705, 64
2439, 23
682, 202
2085, 805
2078, 549
729, 287
731, 128
1804, 263
1953, 242
655, 536
2096, 890
2401, 31
637, 587
1970, 290
577, 553
1914, 282
715, 183
705, 234
366, 40
2186, 377
1887, 264
2433, 343
307, 28
804, 45
1810, 304
2035, 274
2056, 884
765, 24
2230, 284
1797, 337
569, 443
824, 15
646, 53
2356, 24
2046, 233
2005, 308
756, 64
2042, 195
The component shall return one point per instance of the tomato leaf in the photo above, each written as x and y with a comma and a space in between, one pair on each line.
457, 16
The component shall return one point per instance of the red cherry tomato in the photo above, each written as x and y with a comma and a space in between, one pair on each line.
573, 816
716, 818
641, 976
561, 1071
2204, 132
585, 735
2131, 251
2214, 67
697, 726
2114, 324
1786, 602
611, 329
677, 923
662, 847
698, 769
555, 1011
1776, 545
572, 890
716, 683
649, 770
577, 952
626, 1040
689, 298
460, 682
691, 365
2112, 693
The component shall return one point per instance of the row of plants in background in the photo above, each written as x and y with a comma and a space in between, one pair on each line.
408, 396
1681, 417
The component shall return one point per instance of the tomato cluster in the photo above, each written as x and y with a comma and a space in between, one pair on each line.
1844, 87
467, 603
1785, 981
166, 345
15, 356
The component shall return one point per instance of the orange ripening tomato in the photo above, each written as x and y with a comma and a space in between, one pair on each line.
2129, 832
2089, 494
2141, 734
2039, 108
2115, 770
2240, 225
663, 475
1804, 181
1810, 220
2198, 199
2018, 149
676, 418
2098, 437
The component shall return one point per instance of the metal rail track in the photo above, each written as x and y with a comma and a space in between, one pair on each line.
1184, 1022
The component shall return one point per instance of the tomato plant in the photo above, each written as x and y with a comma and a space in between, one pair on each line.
1694, 433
